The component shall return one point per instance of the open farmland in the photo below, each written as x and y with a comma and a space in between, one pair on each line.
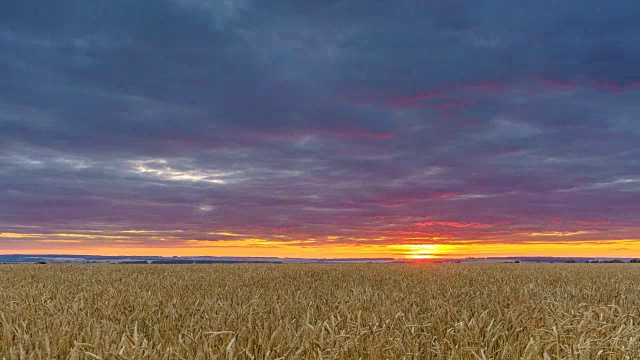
359, 311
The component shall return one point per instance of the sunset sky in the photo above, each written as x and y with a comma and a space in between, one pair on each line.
360, 128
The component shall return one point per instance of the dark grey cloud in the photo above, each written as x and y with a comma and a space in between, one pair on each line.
339, 121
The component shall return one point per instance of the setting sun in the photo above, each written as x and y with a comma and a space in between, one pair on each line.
419, 251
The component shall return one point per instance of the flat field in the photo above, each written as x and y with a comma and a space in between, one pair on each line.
359, 311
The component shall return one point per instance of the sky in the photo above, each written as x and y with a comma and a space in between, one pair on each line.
404, 128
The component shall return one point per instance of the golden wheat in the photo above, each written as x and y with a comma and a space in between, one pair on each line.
360, 311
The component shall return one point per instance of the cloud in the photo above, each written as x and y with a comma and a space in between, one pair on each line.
162, 170
342, 122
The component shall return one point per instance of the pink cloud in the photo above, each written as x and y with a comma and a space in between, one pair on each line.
399, 100
422, 99
454, 224
435, 98
445, 195
556, 84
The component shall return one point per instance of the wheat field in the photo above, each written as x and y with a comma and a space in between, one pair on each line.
293, 311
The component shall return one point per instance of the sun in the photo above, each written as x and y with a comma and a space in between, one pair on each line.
419, 251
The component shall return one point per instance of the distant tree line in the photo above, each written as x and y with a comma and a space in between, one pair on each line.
612, 261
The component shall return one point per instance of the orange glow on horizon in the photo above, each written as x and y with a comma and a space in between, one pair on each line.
79, 244
155, 243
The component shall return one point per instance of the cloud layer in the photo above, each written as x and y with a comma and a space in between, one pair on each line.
319, 123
